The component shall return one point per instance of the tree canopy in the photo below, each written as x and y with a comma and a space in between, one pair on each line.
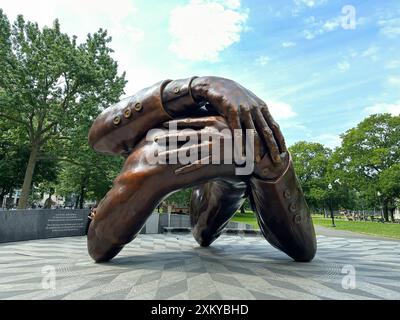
50, 85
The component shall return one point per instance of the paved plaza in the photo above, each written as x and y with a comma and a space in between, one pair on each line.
173, 266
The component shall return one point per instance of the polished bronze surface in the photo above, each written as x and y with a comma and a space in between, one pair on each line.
273, 188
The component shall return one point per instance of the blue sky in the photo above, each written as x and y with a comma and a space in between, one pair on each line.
321, 65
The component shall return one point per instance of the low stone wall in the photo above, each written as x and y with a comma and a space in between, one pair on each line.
180, 221
19, 225
176, 221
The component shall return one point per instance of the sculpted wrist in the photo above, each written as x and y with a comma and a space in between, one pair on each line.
273, 174
177, 97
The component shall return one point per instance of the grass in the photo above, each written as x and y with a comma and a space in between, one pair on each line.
248, 218
391, 230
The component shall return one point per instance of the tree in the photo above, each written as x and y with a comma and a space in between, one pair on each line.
14, 155
389, 183
369, 158
311, 160
180, 198
50, 84
88, 179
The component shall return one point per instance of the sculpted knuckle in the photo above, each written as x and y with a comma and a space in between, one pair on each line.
275, 126
245, 109
267, 131
233, 111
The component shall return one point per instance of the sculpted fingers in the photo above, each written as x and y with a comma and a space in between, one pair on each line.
266, 135
234, 123
249, 124
194, 166
195, 123
187, 136
275, 128
186, 151
271, 122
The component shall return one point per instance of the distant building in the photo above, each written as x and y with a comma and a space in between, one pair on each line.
53, 201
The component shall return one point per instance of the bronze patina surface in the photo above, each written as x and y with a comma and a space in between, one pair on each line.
207, 105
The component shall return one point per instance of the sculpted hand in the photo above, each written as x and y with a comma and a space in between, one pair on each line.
265, 154
275, 156
201, 145
242, 109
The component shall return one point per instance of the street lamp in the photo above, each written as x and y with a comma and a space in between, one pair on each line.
330, 196
380, 203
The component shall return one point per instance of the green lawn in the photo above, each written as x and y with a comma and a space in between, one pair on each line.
248, 218
391, 230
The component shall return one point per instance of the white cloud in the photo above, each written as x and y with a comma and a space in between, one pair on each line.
343, 66
309, 3
301, 5
263, 60
393, 64
202, 29
390, 27
328, 140
77, 17
232, 4
308, 35
371, 53
333, 24
393, 81
315, 27
288, 44
392, 108
281, 110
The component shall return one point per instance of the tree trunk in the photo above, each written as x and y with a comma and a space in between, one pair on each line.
2, 198
386, 210
3, 193
81, 198
82, 193
26, 187
76, 202
392, 213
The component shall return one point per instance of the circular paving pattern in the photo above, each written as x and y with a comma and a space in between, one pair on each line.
169, 266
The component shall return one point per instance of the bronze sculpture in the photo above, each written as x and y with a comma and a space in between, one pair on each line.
206, 105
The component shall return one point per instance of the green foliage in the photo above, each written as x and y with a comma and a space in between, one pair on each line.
311, 164
51, 87
367, 162
369, 158
180, 198
13, 161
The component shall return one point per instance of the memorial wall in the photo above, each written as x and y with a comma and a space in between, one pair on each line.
20, 225
17, 225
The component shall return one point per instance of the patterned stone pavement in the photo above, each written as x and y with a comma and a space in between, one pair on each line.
175, 267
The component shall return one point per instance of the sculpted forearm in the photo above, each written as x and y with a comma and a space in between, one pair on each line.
120, 215
120, 127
